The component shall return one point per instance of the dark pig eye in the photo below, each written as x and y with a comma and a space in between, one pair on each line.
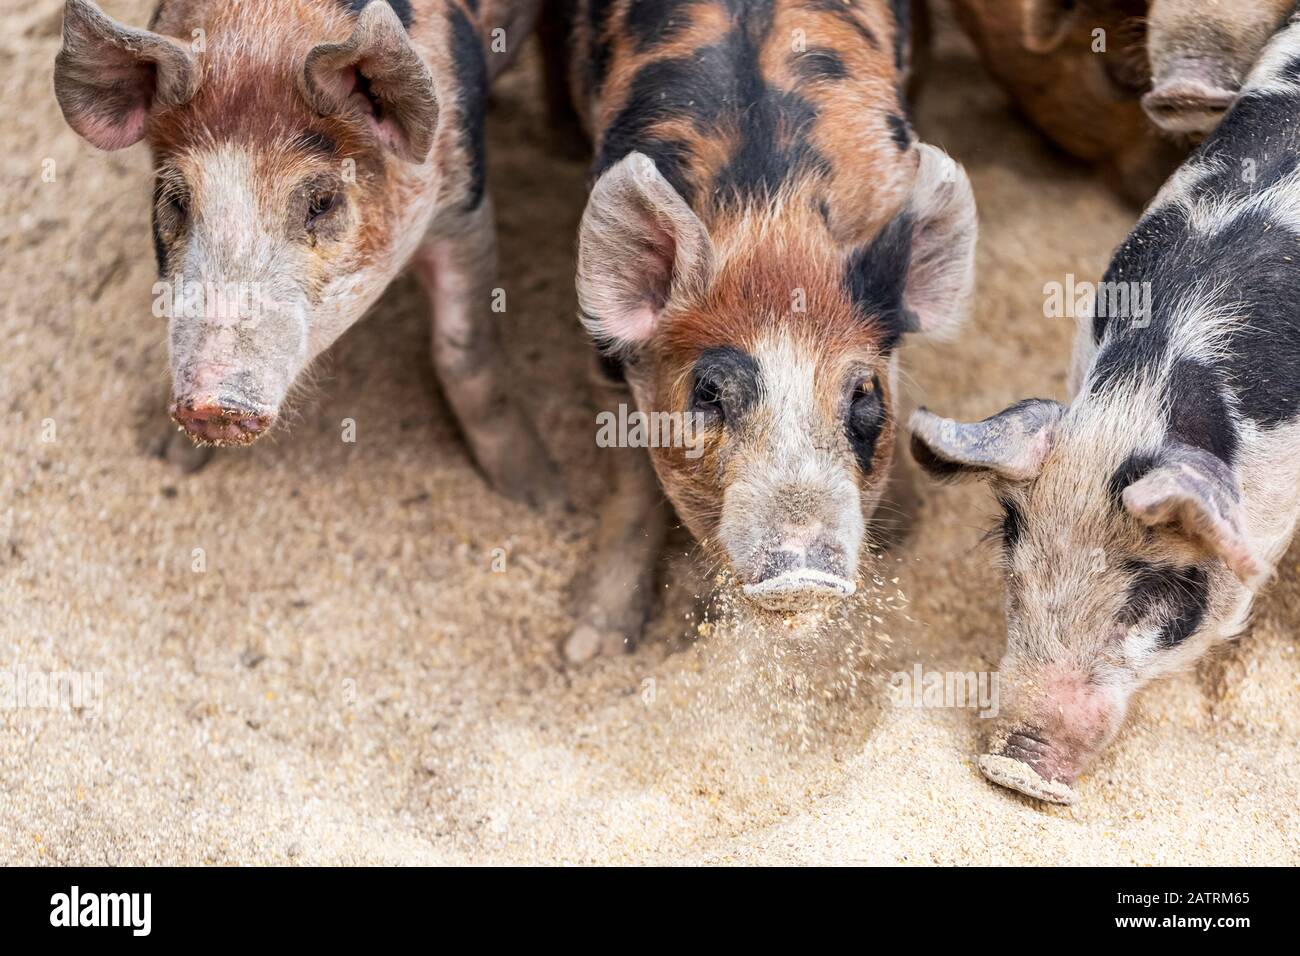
321, 205
706, 396
726, 384
865, 420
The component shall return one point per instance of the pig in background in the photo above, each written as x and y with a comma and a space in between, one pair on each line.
1169, 72
1141, 519
304, 155
763, 231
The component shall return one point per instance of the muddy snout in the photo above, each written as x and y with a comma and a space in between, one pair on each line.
804, 569
1190, 98
1026, 759
221, 420
1053, 724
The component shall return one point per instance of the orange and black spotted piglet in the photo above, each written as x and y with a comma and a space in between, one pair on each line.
763, 232
305, 153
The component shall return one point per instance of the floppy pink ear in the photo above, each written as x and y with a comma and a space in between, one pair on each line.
109, 77
1195, 493
640, 246
1013, 444
376, 73
940, 281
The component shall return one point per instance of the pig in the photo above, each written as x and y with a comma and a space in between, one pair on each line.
1141, 519
1200, 52
763, 232
1088, 103
304, 154
1168, 71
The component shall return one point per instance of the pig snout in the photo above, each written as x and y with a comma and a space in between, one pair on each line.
1056, 725
220, 422
1190, 97
803, 568
215, 409
793, 543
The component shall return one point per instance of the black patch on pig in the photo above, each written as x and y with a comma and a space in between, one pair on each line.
472, 80
650, 24
875, 278
1180, 595
819, 63
401, 7
1013, 524
725, 383
717, 88
1134, 468
159, 247
610, 368
900, 131
1197, 413
865, 421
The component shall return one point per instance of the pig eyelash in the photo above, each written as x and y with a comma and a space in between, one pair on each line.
320, 206
706, 396
173, 197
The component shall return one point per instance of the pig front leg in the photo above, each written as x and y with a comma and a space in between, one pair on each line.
456, 264
615, 600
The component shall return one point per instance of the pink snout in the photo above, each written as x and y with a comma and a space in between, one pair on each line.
209, 421
1188, 105
1057, 722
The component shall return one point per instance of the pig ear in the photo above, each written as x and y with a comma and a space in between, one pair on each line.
941, 269
1012, 444
108, 77
376, 73
640, 246
918, 274
1196, 494
1044, 24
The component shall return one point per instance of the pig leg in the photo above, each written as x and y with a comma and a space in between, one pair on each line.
615, 599
457, 266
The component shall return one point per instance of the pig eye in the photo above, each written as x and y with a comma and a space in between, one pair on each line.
321, 205
706, 396
865, 420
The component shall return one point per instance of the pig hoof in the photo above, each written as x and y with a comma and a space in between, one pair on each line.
182, 454
587, 642
1015, 775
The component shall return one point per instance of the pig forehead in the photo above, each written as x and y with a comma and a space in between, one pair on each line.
233, 180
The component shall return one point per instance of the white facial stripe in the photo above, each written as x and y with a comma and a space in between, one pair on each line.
239, 252
793, 483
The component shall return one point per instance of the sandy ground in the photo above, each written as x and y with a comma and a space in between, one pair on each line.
350, 680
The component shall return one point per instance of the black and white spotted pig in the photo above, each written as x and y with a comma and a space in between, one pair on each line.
1141, 519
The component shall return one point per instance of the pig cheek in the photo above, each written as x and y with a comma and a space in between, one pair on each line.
694, 484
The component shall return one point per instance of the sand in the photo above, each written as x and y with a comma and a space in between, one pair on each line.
355, 676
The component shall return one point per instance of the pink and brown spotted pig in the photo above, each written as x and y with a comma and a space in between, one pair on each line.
763, 232
305, 153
